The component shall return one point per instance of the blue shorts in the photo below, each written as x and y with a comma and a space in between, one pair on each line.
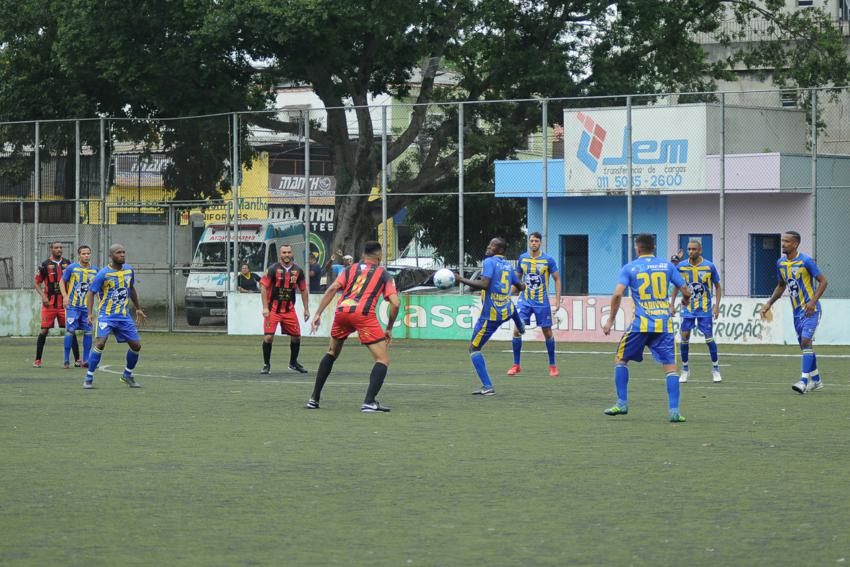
483, 330
77, 319
542, 313
123, 329
704, 323
806, 325
662, 346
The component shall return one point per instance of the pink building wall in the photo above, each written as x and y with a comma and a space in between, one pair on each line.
745, 214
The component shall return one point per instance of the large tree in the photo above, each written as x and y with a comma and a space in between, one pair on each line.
348, 50
139, 59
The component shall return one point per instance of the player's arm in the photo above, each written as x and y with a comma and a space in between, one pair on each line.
264, 294
39, 278
718, 293
482, 283
326, 299
616, 298
673, 297
134, 297
63, 286
89, 301
777, 293
395, 305
679, 283
812, 305
305, 296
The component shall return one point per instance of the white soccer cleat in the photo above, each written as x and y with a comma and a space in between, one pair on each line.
800, 387
812, 386
716, 377
683, 377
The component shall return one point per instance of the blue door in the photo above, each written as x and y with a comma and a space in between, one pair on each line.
764, 252
705, 239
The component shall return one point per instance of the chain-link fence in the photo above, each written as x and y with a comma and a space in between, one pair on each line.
433, 183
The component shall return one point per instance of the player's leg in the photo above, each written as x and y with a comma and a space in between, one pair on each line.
325, 366
481, 333
87, 337
684, 346
663, 348
381, 355
290, 326
810, 379
706, 325
543, 315
48, 316
103, 331
523, 313
125, 332
270, 324
630, 348
70, 323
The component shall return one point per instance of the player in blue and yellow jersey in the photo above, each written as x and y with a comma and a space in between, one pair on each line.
115, 285
497, 281
535, 268
806, 284
701, 276
74, 285
649, 279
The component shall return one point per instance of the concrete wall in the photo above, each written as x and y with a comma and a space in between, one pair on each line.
147, 251
603, 219
745, 215
833, 217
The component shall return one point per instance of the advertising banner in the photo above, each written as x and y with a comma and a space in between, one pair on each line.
668, 148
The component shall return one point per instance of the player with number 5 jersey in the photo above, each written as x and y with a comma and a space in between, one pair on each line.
649, 279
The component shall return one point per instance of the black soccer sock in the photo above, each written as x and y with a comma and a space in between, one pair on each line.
325, 367
75, 347
376, 380
39, 346
294, 349
267, 353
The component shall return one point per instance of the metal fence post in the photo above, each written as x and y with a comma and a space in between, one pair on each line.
23, 267
629, 195
306, 116
101, 236
460, 242
384, 223
171, 251
814, 174
78, 148
723, 188
545, 211
234, 189
37, 195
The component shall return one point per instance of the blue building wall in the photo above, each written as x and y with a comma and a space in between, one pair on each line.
603, 220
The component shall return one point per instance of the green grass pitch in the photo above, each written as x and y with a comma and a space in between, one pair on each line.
213, 464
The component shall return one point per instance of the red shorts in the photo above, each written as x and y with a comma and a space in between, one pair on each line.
367, 326
51, 314
288, 322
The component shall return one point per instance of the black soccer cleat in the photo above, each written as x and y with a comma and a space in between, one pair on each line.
266, 369
130, 381
297, 367
373, 408
311, 404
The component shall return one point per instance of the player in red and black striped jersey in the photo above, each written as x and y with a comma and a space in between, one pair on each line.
52, 305
278, 287
362, 284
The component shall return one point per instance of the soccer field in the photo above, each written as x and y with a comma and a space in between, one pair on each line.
211, 463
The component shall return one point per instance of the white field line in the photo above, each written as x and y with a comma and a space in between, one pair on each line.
721, 354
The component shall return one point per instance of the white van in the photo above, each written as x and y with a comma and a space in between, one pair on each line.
258, 247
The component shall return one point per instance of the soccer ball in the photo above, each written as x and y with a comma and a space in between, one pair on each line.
444, 279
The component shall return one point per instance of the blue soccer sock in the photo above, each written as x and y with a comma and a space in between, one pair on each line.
684, 349
712, 351
132, 359
69, 338
621, 380
516, 344
814, 375
87, 340
94, 360
550, 348
673, 391
481, 368
808, 364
